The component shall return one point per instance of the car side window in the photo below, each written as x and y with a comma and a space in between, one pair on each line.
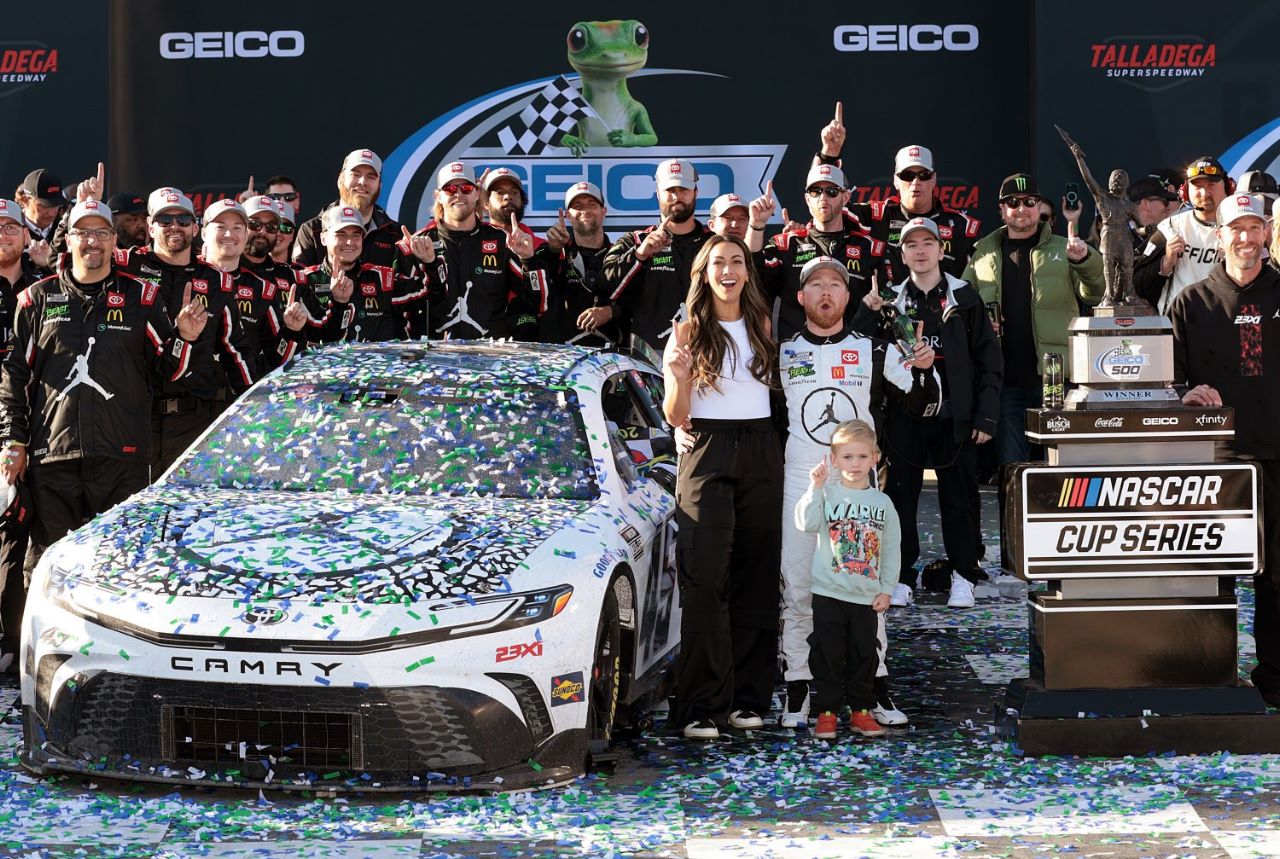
637, 431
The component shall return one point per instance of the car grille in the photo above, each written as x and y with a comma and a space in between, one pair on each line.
229, 736
405, 730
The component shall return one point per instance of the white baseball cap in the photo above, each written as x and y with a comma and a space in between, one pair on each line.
1239, 206
259, 204
455, 171
284, 210
503, 173
221, 207
163, 199
725, 202
915, 224
357, 157
11, 210
676, 173
825, 173
88, 209
578, 189
337, 217
912, 156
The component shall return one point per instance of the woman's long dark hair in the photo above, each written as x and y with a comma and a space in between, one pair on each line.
708, 341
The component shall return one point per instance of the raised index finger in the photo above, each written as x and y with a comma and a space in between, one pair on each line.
186, 294
293, 294
839, 113
1071, 230
102, 175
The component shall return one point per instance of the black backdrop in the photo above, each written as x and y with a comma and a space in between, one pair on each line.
743, 95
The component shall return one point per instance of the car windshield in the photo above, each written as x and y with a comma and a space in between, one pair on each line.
433, 438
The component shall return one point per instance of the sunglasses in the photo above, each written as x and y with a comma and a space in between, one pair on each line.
180, 220
258, 226
825, 189
458, 188
286, 229
1204, 170
287, 196
1025, 202
912, 175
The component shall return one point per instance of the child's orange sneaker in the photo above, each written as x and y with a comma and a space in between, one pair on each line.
862, 722
827, 725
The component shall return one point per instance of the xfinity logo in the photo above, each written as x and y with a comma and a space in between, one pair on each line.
1216, 420
856, 38
248, 44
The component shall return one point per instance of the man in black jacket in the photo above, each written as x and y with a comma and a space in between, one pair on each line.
649, 269
1226, 351
359, 182
948, 313
87, 341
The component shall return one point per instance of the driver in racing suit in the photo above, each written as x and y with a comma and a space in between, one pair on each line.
831, 374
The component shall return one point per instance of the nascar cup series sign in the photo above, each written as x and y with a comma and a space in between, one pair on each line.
1185, 520
574, 125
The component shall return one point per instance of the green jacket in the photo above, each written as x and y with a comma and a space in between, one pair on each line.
1055, 283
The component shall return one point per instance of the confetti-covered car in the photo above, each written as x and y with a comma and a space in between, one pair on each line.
386, 566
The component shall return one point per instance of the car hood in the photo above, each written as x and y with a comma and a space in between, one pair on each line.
256, 545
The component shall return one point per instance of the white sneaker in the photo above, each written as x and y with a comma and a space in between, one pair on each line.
961, 592
702, 729
796, 712
902, 596
745, 720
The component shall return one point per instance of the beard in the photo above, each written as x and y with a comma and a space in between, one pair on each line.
174, 243
10, 253
824, 317
677, 211
259, 246
502, 214
355, 199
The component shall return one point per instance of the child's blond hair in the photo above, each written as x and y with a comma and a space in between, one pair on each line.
851, 431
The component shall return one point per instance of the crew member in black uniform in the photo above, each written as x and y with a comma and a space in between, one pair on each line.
648, 270
75, 392
585, 316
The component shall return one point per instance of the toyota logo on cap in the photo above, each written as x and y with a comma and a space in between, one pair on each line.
733, 198
348, 212
675, 167
171, 198
91, 204
1243, 200
455, 167
365, 153
914, 151
824, 170
581, 186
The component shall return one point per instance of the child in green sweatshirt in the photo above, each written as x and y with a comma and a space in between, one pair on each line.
854, 571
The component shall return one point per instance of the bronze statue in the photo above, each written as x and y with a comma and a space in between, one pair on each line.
1115, 210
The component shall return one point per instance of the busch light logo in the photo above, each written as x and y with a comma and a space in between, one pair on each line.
582, 124
1057, 423
1124, 363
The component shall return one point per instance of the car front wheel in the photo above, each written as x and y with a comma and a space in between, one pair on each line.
606, 671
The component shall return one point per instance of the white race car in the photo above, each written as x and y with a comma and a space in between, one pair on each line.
388, 566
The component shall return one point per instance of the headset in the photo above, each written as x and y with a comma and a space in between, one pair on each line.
1205, 165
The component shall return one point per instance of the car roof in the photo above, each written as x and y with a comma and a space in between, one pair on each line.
489, 362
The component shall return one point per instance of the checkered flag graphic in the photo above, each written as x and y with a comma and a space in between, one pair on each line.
555, 110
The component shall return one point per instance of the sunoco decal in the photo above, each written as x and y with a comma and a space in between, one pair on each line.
567, 689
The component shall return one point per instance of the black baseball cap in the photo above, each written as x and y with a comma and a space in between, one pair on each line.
1150, 186
1206, 167
1019, 183
45, 186
1168, 177
127, 203
1258, 182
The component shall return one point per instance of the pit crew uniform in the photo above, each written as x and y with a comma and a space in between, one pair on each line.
269, 342
584, 288
957, 231
829, 380
376, 311
475, 286
652, 291
76, 391
785, 255
1201, 257
183, 410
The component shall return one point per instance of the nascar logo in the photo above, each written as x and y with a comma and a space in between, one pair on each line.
1081, 492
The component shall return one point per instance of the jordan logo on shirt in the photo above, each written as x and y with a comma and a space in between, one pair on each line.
79, 375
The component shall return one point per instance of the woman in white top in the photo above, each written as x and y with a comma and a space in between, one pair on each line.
719, 368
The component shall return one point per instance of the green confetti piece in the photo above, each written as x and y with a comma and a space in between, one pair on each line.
421, 662
537, 767
124, 655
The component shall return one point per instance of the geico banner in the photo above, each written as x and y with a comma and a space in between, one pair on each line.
1138, 101
1181, 520
564, 96
53, 90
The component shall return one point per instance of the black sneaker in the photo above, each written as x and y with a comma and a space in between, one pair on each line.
701, 729
936, 575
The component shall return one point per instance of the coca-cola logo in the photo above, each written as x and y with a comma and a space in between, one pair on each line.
1109, 423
